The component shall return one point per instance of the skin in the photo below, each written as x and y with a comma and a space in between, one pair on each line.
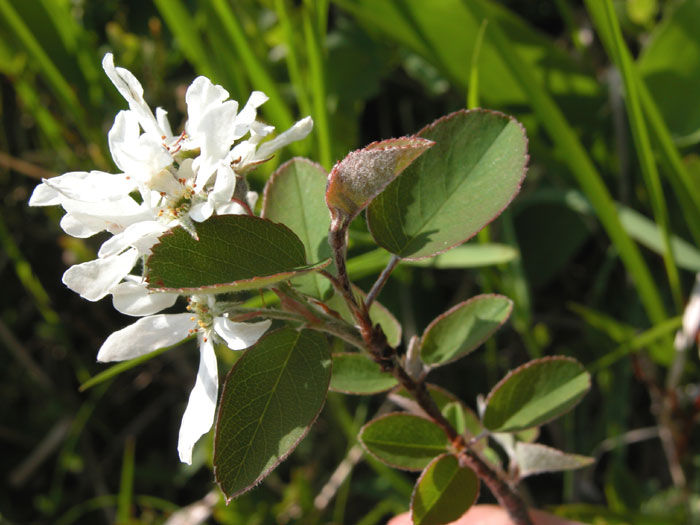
491, 515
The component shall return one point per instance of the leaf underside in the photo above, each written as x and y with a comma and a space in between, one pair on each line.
270, 398
535, 393
444, 492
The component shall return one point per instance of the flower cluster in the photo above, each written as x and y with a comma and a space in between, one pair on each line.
167, 180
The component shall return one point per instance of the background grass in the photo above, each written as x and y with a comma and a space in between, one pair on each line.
606, 232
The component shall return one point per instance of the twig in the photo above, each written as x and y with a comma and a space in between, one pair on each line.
386, 356
22, 472
381, 280
24, 357
24, 167
340, 474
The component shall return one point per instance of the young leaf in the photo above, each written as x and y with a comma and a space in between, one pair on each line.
403, 441
535, 393
463, 328
533, 458
270, 398
355, 373
364, 173
234, 252
455, 189
294, 196
444, 492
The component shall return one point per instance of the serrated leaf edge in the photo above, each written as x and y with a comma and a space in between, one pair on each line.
291, 449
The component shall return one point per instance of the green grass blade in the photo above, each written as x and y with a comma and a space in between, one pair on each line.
179, 20
126, 483
318, 86
473, 93
583, 169
621, 57
117, 369
687, 192
46, 67
76, 40
292, 56
26, 276
637, 343
275, 109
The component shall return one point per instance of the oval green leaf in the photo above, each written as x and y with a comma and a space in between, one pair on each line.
355, 373
453, 190
463, 328
270, 398
535, 393
295, 196
363, 174
233, 252
444, 492
403, 441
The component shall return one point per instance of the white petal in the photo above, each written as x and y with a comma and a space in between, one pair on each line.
145, 336
297, 132
239, 335
131, 89
201, 96
224, 185
201, 211
247, 115
231, 208
44, 195
134, 298
164, 123
81, 227
215, 135
201, 407
113, 215
94, 279
141, 235
90, 186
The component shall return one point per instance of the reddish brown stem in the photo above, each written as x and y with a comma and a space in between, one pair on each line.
375, 340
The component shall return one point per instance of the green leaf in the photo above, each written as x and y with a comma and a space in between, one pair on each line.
363, 174
463, 328
270, 398
447, 402
403, 441
454, 189
535, 393
670, 65
377, 313
533, 458
234, 252
294, 196
355, 373
443, 492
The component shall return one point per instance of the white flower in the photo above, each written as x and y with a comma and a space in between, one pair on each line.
159, 331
